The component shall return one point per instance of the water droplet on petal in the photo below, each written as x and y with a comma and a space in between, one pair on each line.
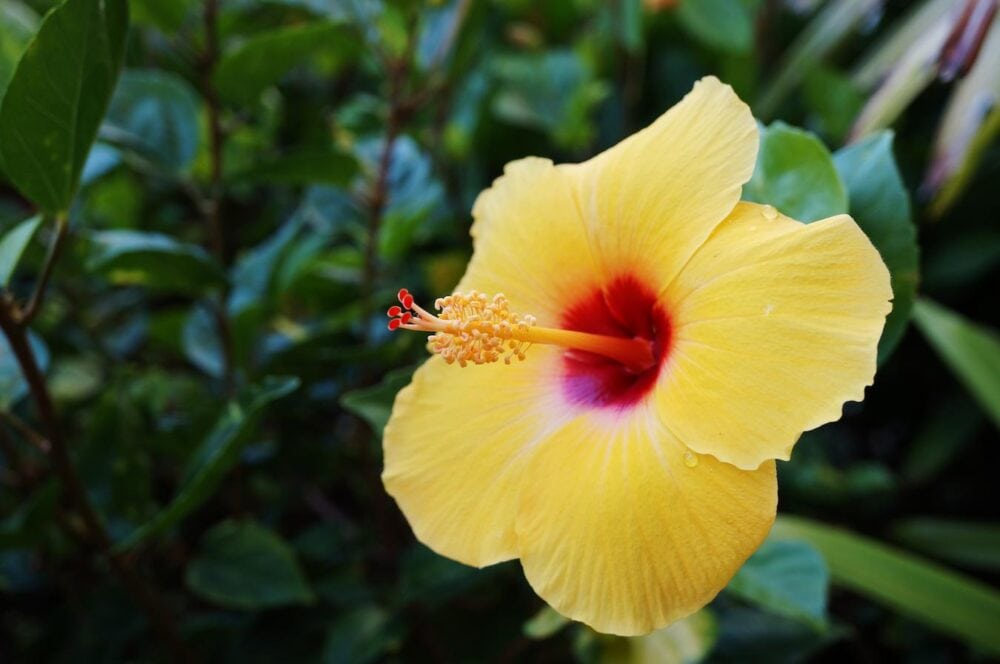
690, 460
769, 212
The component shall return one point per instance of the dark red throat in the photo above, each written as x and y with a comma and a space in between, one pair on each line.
625, 307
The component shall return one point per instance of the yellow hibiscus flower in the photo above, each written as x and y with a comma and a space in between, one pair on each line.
657, 345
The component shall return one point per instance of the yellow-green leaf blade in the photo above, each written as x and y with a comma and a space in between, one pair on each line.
948, 601
972, 352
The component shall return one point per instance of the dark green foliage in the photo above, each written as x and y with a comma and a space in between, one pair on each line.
57, 97
881, 206
245, 185
244, 566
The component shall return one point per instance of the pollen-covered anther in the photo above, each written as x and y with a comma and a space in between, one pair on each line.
470, 327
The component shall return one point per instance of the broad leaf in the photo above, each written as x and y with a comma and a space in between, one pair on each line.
201, 343
26, 524
167, 15
215, 456
374, 404
942, 599
12, 385
968, 543
303, 166
263, 59
881, 206
554, 91
723, 25
13, 244
155, 114
102, 160
972, 352
57, 97
686, 641
544, 624
795, 174
242, 565
785, 577
153, 260
360, 636
18, 23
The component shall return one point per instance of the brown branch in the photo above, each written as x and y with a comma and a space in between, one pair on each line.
24, 316
144, 595
209, 60
212, 206
400, 109
27, 432
15, 461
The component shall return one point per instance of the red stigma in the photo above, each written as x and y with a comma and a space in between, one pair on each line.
399, 315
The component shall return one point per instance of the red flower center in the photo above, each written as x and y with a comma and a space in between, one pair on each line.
625, 308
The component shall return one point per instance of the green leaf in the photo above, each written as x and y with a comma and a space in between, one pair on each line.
949, 428
554, 92
945, 600
360, 636
431, 579
215, 456
242, 565
835, 101
57, 97
795, 174
785, 577
881, 206
263, 59
829, 28
75, 378
102, 160
167, 15
24, 527
630, 32
12, 385
686, 641
154, 114
967, 543
153, 260
972, 352
750, 636
374, 404
18, 24
303, 166
13, 244
201, 343
722, 25
544, 624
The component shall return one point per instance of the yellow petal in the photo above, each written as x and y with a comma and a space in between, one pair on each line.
529, 242
617, 530
776, 325
455, 449
653, 199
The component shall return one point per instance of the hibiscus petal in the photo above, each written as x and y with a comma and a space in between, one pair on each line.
776, 325
529, 241
653, 199
619, 529
456, 447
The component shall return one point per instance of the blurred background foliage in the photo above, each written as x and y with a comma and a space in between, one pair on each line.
207, 205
